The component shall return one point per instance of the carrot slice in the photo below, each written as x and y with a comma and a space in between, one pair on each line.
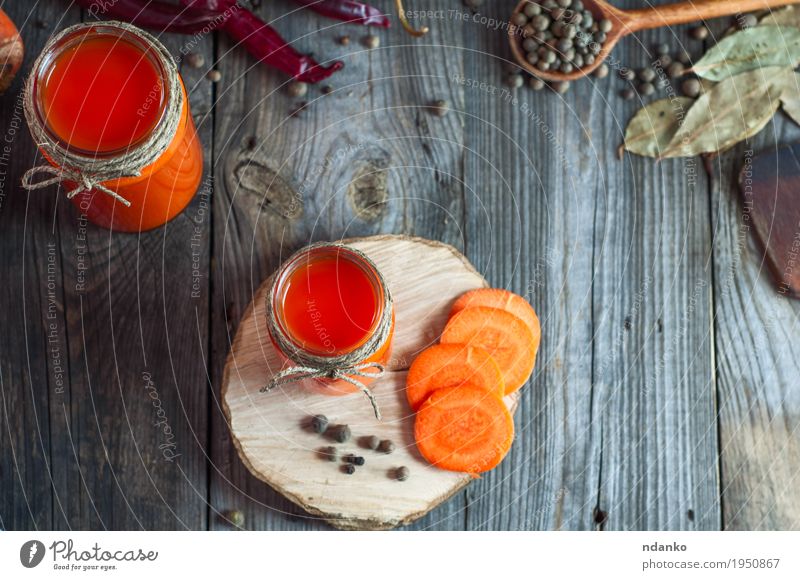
449, 365
464, 429
504, 336
504, 300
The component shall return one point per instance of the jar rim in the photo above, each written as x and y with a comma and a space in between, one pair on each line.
304, 256
76, 35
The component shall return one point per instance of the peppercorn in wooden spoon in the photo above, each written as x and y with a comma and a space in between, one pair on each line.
564, 40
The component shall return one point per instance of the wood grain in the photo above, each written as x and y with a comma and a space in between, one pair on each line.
367, 158
271, 431
108, 308
643, 406
757, 358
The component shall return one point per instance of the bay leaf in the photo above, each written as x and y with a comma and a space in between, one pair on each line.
790, 98
787, 16
652, 127
733, 110
749, 49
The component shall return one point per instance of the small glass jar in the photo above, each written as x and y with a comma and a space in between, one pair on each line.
100, 91
328, 303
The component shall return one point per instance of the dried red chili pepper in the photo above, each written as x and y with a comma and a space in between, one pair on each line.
196, 16
155, 14
264, 43
349, 11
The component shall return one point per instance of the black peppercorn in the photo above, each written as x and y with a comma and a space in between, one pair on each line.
341, 433
319, 423
401, 473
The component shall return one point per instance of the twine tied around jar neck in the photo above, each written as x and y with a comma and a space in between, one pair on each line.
86, 171
341, 367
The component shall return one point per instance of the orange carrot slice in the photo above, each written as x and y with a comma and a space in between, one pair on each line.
464, 429
504, 300
504, 336
449, 365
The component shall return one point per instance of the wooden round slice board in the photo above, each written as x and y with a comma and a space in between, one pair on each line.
270, 431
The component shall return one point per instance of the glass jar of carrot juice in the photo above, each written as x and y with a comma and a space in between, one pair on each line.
331, 315
109, 112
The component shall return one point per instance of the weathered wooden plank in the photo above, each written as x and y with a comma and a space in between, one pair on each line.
134, 431
34, 381
653, 348
757, 359
366, 158
529, 228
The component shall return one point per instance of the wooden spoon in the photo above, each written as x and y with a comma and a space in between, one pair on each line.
627, 21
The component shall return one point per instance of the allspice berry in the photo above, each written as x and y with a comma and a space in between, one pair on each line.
386, 446
330, 453
319, 423
297, 89
341, 433
195, 60
676, 70
691, 87
401, 473
561, 87
371, 41
370, 442
214, 75
440, 107
601, 72
699, 32
235, 517
536, 83
515, 81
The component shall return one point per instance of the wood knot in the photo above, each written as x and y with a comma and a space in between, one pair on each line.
259, 186
368, 190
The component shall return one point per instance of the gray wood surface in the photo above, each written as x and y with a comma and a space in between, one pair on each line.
665, 394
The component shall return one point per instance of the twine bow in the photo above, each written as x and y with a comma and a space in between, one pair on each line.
90, 171
344, 366
298, 373
85, 182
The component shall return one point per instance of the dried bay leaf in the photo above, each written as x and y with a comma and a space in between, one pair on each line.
787, 16
790, 98
749, 49
650, 131
733, 110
